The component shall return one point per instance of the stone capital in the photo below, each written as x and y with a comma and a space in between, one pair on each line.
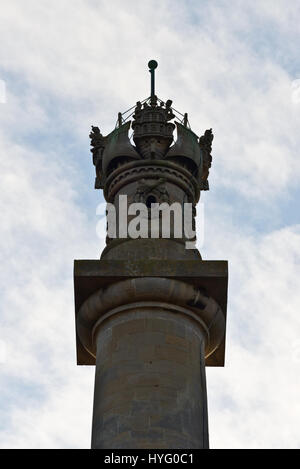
116, 288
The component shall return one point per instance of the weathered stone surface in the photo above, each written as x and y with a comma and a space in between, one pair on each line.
158, 406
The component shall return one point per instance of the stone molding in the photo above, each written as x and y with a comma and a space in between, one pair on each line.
168, 294
135, 171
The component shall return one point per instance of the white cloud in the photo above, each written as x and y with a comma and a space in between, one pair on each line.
253, 401
42, 230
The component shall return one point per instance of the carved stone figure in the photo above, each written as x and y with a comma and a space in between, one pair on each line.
205, 143
137, 111
97, 139
97, 144
169, 111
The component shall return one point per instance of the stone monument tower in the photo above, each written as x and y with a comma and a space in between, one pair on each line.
150, 314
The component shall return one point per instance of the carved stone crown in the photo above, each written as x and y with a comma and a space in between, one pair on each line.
153, 133
153, 138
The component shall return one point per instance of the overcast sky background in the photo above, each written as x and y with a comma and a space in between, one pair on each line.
233, 65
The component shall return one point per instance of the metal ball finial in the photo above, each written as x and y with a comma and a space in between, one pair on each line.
152, 64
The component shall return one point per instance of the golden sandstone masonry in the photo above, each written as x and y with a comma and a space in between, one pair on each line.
150, 314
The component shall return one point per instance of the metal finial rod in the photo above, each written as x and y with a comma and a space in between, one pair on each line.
152, 66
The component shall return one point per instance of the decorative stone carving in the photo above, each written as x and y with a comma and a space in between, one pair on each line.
156, 191
186, 152
153, 133
97, 144
153, 169
153, 136
118, 149
147, 170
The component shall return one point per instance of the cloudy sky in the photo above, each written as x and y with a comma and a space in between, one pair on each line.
233, 65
